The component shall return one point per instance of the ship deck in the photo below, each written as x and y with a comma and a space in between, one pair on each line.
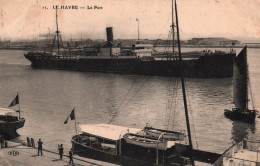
130, 57
106, 57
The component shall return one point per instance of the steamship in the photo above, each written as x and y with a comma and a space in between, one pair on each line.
139, 60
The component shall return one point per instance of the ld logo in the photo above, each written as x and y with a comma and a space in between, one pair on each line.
13, 153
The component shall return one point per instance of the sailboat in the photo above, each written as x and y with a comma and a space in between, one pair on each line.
241, 85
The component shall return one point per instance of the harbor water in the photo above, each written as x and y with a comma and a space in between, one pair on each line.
48, 96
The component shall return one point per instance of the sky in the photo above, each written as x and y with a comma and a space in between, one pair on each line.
234, 19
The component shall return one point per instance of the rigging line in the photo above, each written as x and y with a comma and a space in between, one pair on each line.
166, 109
166, 48
172, 98
168, 116
193, 122
162, 30
125, 96
129, 100
171, 104
176, 92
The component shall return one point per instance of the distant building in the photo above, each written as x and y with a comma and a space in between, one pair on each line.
212, 41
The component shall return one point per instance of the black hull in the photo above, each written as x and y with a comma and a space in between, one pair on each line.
133, 155
8, 129
211, 66
139, 156
248, 117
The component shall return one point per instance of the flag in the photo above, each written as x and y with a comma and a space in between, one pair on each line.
71, 116
15, 101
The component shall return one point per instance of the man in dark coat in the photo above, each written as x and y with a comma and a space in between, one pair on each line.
71, 157
2, 141
40, 146
60, 151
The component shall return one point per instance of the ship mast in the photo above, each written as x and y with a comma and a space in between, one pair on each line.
247, 79
137, 19
57, 32
183, 87
172, 33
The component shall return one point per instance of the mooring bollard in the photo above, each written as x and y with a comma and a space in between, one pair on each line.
28, 141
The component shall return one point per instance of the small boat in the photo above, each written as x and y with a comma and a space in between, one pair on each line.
147, 142
10, 122
165, 134
125, 146
241, 89
244, 153
241, 114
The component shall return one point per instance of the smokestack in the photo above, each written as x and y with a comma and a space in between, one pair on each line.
109, 36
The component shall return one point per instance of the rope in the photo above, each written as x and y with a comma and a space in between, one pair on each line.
168, 116
168, 37
162, 30
124, 98
175, 90
170, 103
189, 104
129, 100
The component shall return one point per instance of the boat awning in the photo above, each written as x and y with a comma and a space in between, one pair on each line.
107, 131
6, 111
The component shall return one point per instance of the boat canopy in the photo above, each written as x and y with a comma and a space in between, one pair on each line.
107, 131
6, 111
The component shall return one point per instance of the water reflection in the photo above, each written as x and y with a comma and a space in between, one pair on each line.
242, 130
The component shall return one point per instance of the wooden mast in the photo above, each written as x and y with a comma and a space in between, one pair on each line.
183, 86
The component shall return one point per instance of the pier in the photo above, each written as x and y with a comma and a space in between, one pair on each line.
19, 154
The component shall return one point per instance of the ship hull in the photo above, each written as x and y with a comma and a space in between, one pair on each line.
8, 129
211, 66
132, 154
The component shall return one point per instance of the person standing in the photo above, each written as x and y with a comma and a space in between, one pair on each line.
2, 141
71, 157
40, 147
60, 151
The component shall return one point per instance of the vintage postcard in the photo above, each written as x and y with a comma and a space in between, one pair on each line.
129, 82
